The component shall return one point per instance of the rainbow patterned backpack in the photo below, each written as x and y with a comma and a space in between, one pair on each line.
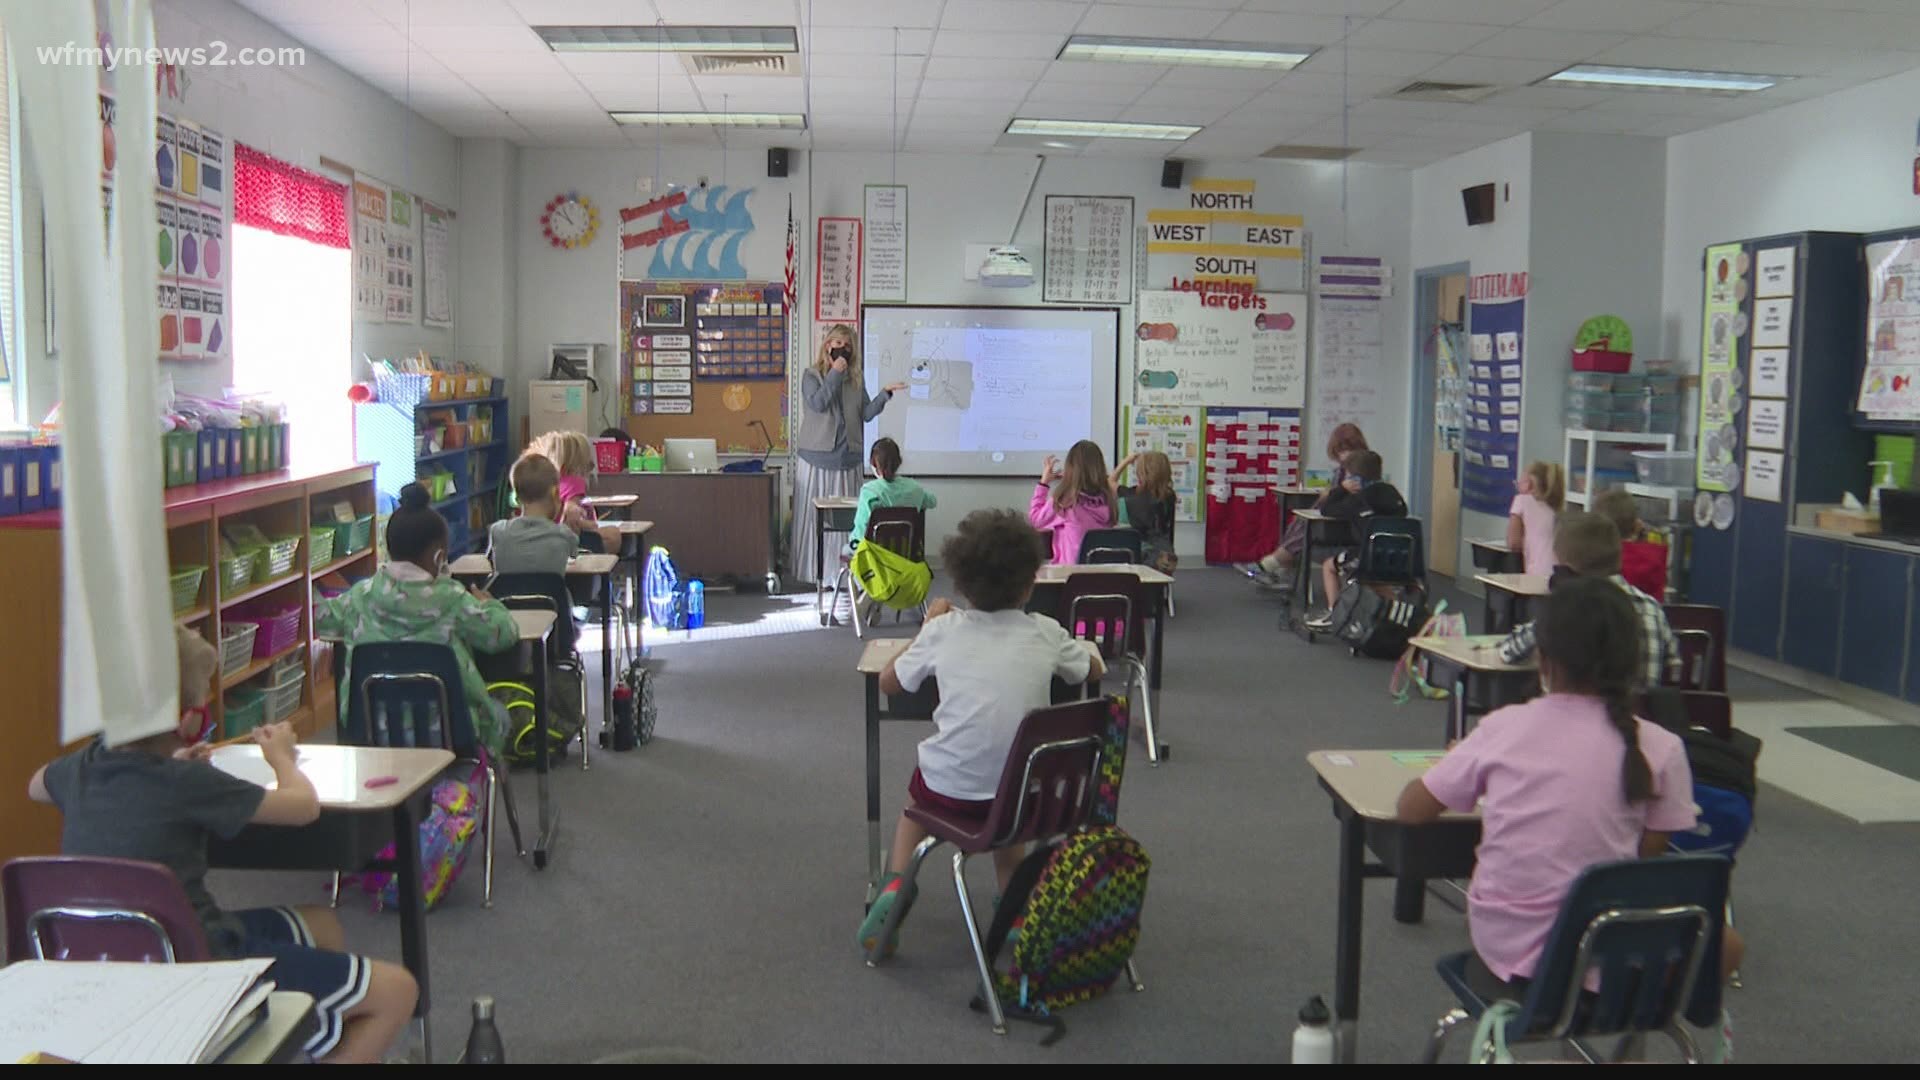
1072, 911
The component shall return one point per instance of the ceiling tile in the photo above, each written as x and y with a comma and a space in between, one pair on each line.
1214, 5
1370, 61
981, 89
1492, 70
1131, 148
637, 66
1067, 110
731, 12
1403, 159
861, 12
1226, 78
856, 91
1669, 126
516, 63
924, 124
997, 45
1598, 121
1506, 115
1492, 12
1416, 35
1528, 43
582, 12
478, 39
1779, 26
981, 67
1137, 21
345, 13
1336, 88
1413, 110
1226, 143
1092, 71
1675, 103
1722, 56
883, 67
1039, 16
1365, 9
949, 143
1281, 29
1174, 97
1202, 114
1622, 16
1544, 97
329, 37
874, 41
949, 107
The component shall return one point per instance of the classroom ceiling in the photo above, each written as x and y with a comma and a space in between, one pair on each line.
964, 68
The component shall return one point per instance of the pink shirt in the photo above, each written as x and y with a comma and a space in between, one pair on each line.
1547, 776
573, 489
1068, 526
1537, 518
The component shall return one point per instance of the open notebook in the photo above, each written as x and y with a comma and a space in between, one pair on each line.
122, 1014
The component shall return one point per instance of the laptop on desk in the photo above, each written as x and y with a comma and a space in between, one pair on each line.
692, 455
1899, 516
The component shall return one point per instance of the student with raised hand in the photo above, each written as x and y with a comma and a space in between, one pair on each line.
1566, 781
1068, 504
1148, 506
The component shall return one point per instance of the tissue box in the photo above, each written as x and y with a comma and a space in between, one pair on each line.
1839, 519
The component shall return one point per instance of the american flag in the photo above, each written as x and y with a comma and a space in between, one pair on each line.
792, 237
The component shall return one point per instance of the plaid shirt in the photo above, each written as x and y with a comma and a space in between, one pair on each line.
1660, 653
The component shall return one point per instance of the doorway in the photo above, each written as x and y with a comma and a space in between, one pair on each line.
1439, 349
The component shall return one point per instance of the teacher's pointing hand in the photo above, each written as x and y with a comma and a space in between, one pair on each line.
894, 387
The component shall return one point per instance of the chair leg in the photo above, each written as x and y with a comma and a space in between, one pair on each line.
979, 947
333, 898
1141, 678
1170, 611
1733, 977
1437, 1039
859, 631
486, 838
499, 776
1689, 1051
1133, 977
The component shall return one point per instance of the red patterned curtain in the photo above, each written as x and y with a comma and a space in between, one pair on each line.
270, 194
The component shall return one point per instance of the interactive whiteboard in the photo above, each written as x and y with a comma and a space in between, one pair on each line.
991, 391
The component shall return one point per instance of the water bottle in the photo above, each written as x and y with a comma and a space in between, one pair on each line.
624, 736
1313, 1039
696, 604
483, 1042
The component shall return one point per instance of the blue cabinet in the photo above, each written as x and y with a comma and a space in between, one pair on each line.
1814, 591
1874, 627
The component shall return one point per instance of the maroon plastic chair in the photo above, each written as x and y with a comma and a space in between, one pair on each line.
1109, 608
65, 907
1047, 789
901, 530
1701, 631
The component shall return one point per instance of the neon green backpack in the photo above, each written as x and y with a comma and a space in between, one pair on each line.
892, 579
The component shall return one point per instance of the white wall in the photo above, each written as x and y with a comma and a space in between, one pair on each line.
952, 199
1842, 162
297, 114
1441, 237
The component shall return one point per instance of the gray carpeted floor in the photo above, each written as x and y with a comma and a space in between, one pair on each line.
707, 887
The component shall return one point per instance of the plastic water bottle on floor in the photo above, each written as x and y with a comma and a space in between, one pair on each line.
483, 1042
1313, 1039
696, 604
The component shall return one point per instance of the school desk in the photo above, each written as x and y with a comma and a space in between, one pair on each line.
476, 569
289, 1023
1475, 665
356, 823
831, 514
633, 556
1296, 498
1509, 598
1365, 787
535, 627
1495, 557
1046, 586
874, 658
617, 505
1325, 532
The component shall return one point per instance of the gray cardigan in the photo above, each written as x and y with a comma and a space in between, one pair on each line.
826, 440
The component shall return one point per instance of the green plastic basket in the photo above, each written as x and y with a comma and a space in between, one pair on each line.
353, 536
236, 572
246, 710
319, 547
275, 560
186, 586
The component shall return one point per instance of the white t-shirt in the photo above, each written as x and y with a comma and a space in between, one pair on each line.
994, 667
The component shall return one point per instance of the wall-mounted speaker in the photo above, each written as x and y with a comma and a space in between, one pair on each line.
776, 161
1479, 203
1170, 171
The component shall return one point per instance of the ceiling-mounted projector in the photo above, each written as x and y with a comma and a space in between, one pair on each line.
1006, 268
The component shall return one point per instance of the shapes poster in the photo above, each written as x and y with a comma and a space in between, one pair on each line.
193, 216
1490, 444
369, 250
1887, 388
1175, 433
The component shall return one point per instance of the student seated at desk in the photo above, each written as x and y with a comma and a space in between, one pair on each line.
1080, 500
156, 798
1552, 803
995, 663
1539, 496
1588, 546
413, 599
536, 543
572, 454
887, 488
1148, 506
1642, 562
1362, 494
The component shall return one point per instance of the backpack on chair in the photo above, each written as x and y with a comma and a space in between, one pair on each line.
1072, 908
889, 577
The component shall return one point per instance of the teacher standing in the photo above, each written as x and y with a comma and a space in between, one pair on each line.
829, 446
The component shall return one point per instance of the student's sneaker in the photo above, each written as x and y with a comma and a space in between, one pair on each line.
1320, 621
893, 890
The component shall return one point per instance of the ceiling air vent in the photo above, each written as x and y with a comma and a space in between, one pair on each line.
774, 64
1310, 153
1442, 91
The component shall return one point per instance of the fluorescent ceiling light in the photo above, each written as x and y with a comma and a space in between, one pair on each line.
1175, 51
715, 39
1102, 129
1639, 78
711, 119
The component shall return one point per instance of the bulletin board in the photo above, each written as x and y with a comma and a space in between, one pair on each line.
704, 360
1495, 354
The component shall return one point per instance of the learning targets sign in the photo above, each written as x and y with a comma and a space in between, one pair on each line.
1218, 240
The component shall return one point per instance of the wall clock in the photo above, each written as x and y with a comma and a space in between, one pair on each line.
569, 220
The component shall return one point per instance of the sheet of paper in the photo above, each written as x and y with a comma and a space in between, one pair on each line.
1764, 470
1773, 323
106, 1013
1767, 425
1770, 373
1775, 277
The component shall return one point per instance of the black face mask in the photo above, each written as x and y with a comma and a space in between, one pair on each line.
841, 353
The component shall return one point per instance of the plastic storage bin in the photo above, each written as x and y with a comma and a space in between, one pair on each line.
283, 696
1600, 382
236, 573
352, 536
276, 629
236, 647
319, 547
1589, 401
1668, 468
186, 586
1588, 419
275, 560
285, 666
246, 710
609, 455
1601, 360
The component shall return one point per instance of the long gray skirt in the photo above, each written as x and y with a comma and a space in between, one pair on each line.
810, 483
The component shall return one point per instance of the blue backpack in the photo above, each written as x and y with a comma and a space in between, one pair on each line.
666, 592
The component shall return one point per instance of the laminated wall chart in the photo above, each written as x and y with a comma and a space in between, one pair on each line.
1250, 454
1349, 292
195, 217
1495, 349
1088, 253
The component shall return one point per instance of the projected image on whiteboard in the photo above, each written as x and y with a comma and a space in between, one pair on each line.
992, 390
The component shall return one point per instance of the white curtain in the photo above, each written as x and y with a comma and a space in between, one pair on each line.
119, 672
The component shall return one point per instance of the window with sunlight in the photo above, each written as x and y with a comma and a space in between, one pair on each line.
293, 323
